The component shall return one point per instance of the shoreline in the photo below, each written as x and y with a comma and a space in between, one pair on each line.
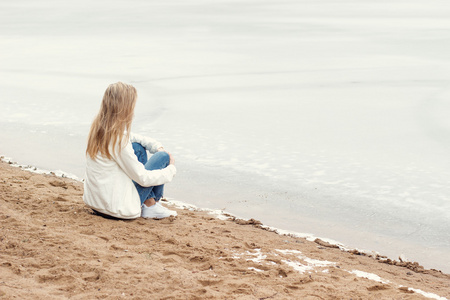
234, 250
224, 215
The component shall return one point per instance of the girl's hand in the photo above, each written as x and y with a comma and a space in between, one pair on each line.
172, 160
161, 149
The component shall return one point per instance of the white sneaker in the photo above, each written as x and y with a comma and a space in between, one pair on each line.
172, 212
156, 211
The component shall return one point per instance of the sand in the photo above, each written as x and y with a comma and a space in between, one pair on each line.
53, 247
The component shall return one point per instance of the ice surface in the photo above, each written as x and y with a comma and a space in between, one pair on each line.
328, 117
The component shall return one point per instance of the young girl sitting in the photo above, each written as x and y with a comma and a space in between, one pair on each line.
120, 180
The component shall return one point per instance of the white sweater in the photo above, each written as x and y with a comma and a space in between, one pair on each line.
108, 185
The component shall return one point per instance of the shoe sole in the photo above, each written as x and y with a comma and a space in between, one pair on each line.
159, 217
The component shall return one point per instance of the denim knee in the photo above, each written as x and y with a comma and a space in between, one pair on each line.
157, 161
164, 156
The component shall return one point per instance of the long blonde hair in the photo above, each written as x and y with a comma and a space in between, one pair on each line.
112, 121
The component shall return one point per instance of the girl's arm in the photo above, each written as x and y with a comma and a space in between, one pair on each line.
127, 160
150, 144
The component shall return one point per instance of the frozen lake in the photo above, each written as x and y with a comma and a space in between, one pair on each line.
325, 117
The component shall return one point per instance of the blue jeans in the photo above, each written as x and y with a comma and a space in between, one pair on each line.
157, 161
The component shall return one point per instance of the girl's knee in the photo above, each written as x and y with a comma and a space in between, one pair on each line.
163, 155
157, 161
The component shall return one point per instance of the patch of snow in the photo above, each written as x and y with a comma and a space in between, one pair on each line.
286, 251
32, 169
255, 269
259, 256
318, 263
425, 294
310, 263
298, 266
369, 276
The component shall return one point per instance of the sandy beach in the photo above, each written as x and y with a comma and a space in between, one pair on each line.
337, 110
53, 247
